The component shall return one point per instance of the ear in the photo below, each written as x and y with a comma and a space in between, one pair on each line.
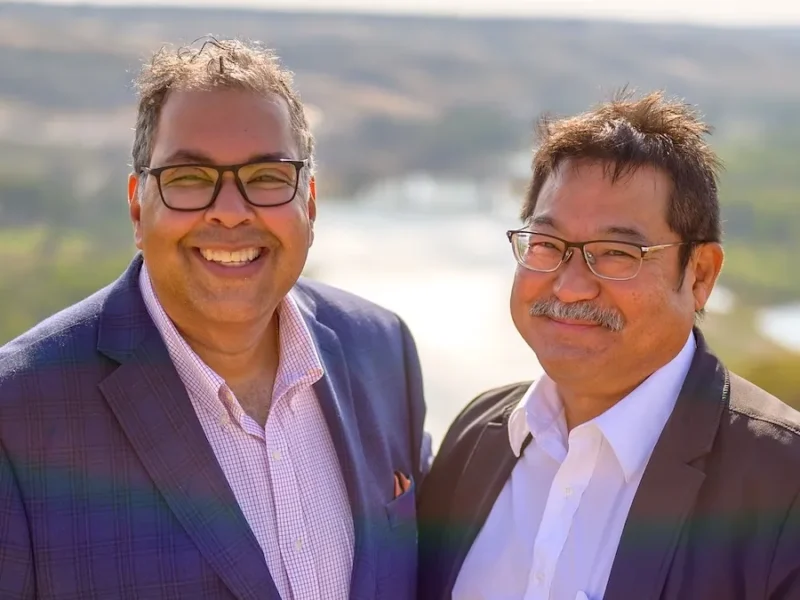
312, 200
706, 265
135, 208
311, 206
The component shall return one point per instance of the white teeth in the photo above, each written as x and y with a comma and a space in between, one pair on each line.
232, 259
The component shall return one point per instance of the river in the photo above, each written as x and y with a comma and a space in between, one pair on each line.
448, 275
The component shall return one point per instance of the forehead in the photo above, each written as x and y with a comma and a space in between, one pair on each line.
582, 198
224, 125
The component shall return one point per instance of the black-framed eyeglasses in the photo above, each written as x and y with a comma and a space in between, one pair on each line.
192, 187
607, 259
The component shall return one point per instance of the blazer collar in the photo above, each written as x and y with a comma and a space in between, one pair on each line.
488, 467
124, 320
153, 409
631, 427
671, 481
660, 508
339, 407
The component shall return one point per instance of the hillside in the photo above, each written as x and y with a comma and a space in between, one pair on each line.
394, 94
389, 96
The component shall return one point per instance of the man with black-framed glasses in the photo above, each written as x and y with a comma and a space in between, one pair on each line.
637, 467
212, 425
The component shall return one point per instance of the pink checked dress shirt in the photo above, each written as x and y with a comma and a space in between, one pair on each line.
286, 476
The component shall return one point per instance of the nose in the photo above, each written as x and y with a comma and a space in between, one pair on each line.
230, 209
574, 281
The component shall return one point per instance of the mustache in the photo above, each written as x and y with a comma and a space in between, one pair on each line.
578, 311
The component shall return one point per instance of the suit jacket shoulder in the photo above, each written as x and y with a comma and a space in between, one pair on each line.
750, 401
452, 501
459, 442
92, 407
759, 437
488, 406
75, 319
343, 311
373, 338
69, 337
729, 450
382, 362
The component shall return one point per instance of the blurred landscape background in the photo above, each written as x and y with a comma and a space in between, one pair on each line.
424, 128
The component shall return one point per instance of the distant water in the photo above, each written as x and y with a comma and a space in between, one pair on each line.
782, 324
448, 275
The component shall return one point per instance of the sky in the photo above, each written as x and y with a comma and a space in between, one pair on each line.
715, 12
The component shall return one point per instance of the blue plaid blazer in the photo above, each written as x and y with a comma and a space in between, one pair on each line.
110, 490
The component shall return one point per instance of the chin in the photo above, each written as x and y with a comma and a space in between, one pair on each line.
223, 311
576, 368
562, 355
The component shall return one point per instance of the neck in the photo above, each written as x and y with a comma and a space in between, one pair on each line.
586, 399
580, 408
236, 352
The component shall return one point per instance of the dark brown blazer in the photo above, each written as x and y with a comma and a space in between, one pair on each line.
716, 515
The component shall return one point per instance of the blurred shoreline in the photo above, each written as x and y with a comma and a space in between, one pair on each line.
448, 275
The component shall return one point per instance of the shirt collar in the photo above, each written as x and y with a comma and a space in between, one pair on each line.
199, 380
541, 402
299, 362
631, 427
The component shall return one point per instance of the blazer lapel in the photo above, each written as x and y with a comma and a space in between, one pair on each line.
336, 400
670, 484
154, 410
485, 473
650, 537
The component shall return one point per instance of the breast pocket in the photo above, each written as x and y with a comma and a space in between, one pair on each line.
402, 511
398, 565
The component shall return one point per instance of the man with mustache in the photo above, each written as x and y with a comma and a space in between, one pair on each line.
637, 467
212, 425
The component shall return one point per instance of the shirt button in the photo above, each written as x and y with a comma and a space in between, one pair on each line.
568, 491
276, 455
298, 545
539, 578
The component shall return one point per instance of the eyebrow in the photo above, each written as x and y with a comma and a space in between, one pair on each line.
543, 221
628, 232
195, 156
615, 230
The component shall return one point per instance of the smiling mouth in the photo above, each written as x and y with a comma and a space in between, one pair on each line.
236, 258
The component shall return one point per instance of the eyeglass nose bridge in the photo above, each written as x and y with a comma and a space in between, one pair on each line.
569, 251
237, 181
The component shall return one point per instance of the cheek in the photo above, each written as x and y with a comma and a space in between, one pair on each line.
164, 228
645, 305
527, 287
289, 224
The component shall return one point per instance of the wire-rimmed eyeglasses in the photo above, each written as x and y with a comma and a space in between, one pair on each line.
607, 259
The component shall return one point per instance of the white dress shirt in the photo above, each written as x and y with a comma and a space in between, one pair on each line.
553, 531
285, 476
